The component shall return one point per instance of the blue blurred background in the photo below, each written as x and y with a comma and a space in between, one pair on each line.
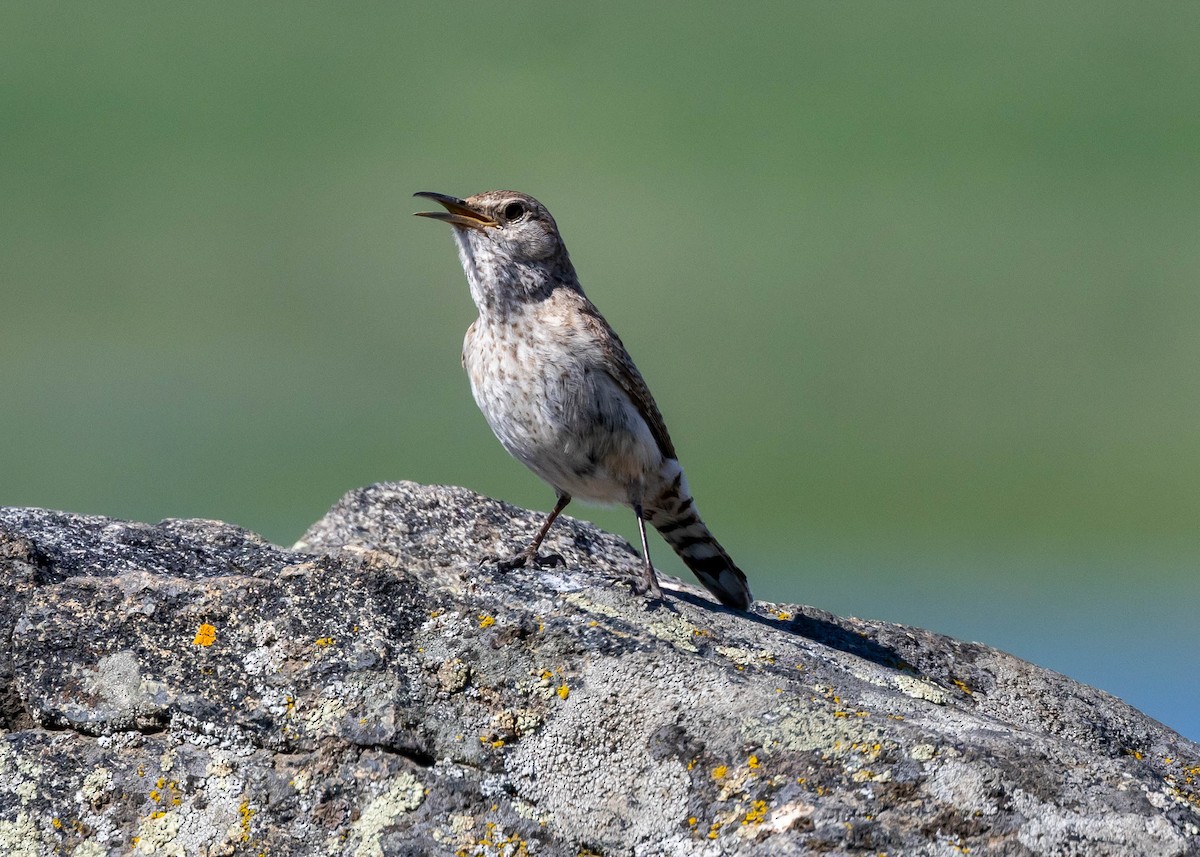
914, 284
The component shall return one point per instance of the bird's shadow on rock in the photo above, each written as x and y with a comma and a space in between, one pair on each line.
817, 629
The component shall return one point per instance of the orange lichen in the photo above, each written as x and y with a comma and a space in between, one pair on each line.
206, 635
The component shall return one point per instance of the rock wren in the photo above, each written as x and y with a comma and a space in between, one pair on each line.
561, 393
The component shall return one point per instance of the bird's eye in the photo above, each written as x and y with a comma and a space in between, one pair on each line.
514, 211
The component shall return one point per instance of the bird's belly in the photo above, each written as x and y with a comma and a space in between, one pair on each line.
572, 426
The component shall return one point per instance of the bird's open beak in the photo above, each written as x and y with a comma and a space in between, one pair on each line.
457, 212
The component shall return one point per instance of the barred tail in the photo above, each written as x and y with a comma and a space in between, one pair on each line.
674, 516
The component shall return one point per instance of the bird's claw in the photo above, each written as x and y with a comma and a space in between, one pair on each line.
503, 564
645, 587
506, 564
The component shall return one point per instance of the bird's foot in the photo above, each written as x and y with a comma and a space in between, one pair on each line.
647, 584
523, 559
549, 560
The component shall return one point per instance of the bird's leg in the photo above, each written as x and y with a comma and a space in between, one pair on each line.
530, 556
649, 584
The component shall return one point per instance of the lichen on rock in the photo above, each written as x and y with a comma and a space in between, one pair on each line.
188, 688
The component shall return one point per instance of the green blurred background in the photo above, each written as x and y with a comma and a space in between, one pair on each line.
914, 284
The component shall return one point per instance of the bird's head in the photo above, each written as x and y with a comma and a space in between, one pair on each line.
508, 244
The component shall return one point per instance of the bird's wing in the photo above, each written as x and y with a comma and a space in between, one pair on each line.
467, 341
619, 366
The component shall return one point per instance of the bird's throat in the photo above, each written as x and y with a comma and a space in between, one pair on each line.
500, 287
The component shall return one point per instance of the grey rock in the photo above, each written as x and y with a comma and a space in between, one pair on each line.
187, 688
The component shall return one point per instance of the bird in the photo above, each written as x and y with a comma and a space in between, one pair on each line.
561, 393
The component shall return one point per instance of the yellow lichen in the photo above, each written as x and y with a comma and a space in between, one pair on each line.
752, 762
322, 642
206, 635
563, 691
486, 621
246, 814
511, 845
758, 811
719, 772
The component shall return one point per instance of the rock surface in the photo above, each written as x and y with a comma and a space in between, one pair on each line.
189, 689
